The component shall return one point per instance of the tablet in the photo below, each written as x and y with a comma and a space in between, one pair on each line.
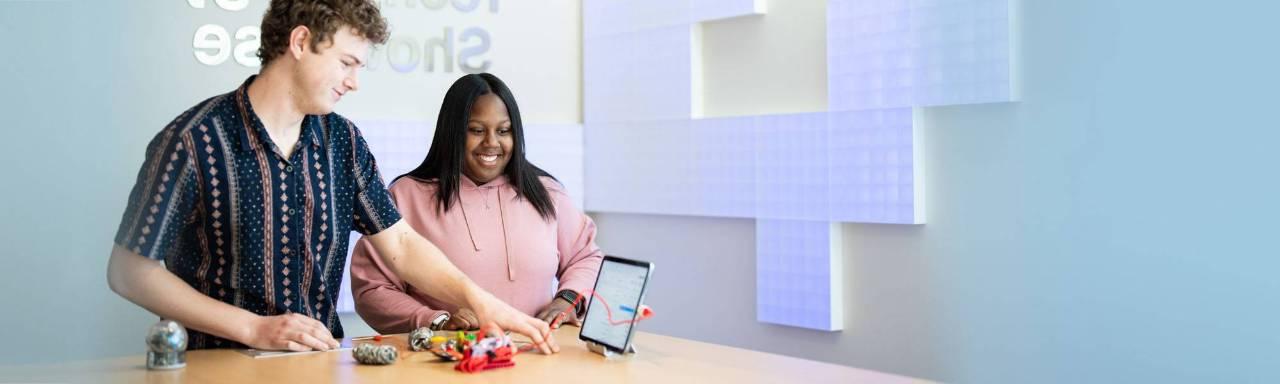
612, 310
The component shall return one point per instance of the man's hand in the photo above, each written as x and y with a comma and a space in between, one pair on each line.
291, 332
421, 264
147, 283
557, 312
462, 320
498, 316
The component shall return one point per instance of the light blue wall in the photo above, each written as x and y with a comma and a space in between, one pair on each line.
1116, 225
86, 84
63, 178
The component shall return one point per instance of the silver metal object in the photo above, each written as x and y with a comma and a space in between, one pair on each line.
375, 354
420, 339
166, 345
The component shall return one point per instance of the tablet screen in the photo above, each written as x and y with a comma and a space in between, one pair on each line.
621, 284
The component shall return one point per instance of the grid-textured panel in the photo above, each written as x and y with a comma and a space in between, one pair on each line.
638, 76
608, 165
797, 274
791, 166
799, 173
641, 167
557, 149
872, 165
851, 166
963, 46
724, 167
869, 58
399, 145
904, 53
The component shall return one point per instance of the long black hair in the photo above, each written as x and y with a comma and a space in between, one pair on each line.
445, 159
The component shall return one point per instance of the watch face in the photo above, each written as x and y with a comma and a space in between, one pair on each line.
579, 307
571, 296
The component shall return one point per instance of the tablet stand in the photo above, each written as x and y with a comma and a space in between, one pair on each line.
611, 355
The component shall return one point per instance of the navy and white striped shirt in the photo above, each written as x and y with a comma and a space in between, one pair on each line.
239, 222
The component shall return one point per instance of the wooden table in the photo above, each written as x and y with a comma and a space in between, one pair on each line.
661, 360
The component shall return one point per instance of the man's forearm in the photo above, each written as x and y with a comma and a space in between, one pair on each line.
420, 264
148, 284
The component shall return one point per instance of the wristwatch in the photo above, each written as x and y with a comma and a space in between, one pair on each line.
437, 323
569, 295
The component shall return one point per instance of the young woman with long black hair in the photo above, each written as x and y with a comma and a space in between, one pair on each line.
507, 224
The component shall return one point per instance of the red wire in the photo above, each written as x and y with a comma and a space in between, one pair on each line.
607, 310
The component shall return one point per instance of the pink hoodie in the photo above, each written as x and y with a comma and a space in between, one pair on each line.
499, 241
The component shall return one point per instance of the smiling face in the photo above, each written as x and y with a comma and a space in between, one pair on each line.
323, 75
489, 139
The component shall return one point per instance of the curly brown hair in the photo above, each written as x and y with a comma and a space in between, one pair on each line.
323, 18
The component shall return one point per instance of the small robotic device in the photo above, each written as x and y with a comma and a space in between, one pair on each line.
166, 345
473, 352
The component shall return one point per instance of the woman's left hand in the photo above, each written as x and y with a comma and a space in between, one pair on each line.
557, 312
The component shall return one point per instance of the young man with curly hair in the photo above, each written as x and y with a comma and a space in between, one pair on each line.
238, 223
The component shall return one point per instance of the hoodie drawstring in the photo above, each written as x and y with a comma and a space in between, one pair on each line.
468, 224
506, 242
